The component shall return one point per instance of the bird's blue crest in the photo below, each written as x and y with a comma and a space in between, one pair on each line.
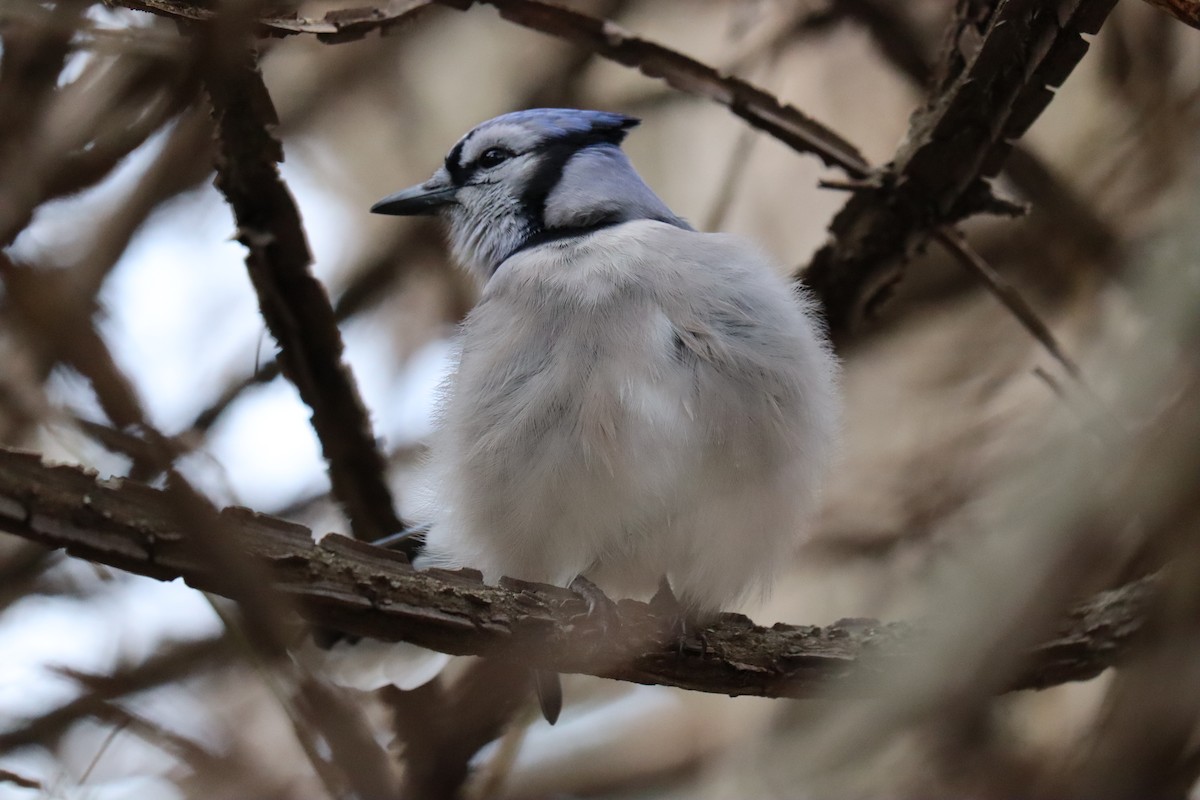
561, 123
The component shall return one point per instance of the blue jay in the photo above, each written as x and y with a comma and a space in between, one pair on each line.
633, 399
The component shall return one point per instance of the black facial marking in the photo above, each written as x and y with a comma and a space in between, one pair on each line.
458, 173
552, 160
554, 156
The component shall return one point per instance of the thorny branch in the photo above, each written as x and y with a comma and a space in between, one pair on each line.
757, 107
895, 35
367, 591
959, 140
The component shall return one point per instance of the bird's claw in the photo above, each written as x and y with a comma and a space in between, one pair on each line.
601, 610
683, 624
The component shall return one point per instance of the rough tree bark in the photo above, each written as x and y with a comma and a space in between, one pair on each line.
368, 591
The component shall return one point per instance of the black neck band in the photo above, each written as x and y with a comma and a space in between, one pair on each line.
542, 236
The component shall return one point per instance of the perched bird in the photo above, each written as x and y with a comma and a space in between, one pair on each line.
633, 399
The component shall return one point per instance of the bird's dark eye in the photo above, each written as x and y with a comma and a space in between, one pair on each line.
493, 156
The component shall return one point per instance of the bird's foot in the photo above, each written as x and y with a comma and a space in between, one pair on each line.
601, 610
685, 626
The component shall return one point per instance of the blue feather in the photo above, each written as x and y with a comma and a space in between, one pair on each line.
566, 122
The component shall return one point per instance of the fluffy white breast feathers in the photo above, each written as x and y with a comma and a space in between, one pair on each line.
634, 399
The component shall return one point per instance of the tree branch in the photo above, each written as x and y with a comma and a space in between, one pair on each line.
757, 107
760, 108
293, 303
174, 662
339, 25
959, 140
897, 38
1008, 296
367, 591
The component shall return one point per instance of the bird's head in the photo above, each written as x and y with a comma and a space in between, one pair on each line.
523, 178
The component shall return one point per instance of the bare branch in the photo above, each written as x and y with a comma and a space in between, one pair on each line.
339, 25
761, 109
961, 138
172, 663
444, 727
18, 780
367, 591
1008, 296
896, 36
293, 303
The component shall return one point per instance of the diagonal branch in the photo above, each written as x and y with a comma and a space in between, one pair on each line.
756, 106
339, 25
174, 662
367, 591
896, 36
959, 140
293, 303
1008, 295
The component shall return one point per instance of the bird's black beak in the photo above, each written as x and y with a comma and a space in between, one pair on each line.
425, 198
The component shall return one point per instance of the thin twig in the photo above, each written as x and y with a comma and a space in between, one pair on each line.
101, 750
171, 663
1008, 295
